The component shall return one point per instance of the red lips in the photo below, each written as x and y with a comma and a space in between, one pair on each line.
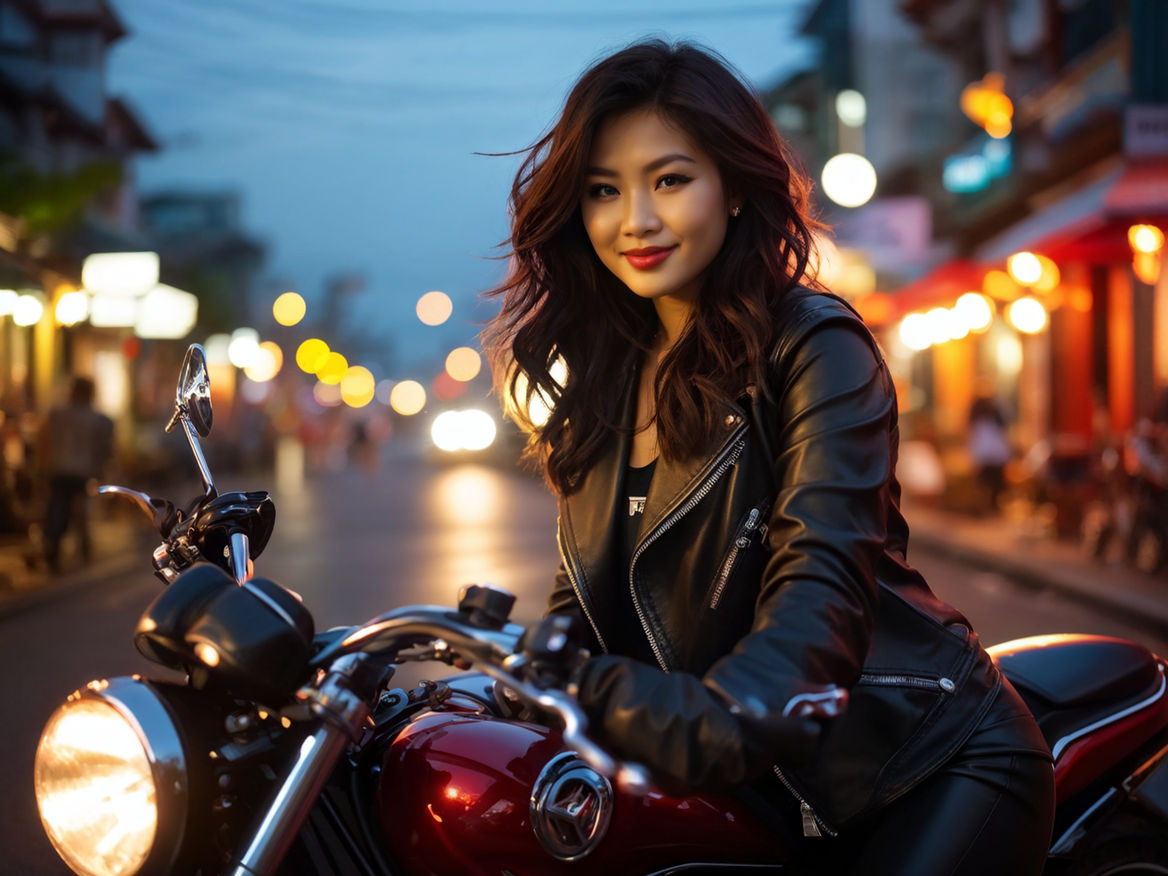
648, 257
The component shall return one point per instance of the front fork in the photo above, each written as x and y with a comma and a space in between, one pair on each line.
336, 700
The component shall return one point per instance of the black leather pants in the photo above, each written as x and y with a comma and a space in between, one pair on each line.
990, 810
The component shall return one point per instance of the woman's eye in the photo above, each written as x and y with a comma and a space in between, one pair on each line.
601, 190
672, 180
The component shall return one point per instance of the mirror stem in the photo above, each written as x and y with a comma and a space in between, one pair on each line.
197, 450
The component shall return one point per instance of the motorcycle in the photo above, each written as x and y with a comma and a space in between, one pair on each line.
286, 750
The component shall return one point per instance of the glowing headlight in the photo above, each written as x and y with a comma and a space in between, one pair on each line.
110, 780
463, 430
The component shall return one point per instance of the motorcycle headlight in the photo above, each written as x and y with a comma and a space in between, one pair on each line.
111, 780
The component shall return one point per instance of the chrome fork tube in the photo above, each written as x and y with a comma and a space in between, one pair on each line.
342, 712
318, 754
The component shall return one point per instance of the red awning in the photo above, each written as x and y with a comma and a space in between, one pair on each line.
940, 287
1141, 191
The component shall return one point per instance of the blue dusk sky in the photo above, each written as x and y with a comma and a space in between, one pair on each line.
351, 127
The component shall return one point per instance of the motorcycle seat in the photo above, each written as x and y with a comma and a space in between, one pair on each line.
1076, 671
1095, 698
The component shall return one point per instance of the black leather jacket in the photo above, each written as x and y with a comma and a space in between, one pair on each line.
769, 569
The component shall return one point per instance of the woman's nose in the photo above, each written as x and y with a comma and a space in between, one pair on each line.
640, 216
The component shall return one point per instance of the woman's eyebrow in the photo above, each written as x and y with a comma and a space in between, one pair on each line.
651, 166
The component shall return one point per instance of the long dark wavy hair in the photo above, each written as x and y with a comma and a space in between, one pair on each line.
561, 303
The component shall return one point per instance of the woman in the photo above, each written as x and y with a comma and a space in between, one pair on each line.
722, 441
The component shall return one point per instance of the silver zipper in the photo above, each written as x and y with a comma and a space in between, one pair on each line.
729, 457
571, 568
945, 685
740, 544
813, 825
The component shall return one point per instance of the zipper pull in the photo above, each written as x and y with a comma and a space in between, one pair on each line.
810, 825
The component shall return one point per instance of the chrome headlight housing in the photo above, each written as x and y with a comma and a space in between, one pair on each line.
111, 780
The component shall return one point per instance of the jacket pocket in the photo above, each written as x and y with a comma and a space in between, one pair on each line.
751, 530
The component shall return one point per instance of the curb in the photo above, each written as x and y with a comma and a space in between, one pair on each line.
14, 602
1087, 587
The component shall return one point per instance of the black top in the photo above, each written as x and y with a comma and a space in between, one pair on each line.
631, 640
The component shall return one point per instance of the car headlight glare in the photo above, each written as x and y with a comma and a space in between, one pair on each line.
107, 799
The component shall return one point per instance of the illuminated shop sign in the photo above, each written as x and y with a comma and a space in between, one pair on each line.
974, 170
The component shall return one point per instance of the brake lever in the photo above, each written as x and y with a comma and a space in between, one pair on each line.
161, 512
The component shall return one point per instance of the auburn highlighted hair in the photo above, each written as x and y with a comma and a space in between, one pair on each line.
560, 304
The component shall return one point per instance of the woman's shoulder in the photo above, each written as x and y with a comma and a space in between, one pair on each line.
801, 312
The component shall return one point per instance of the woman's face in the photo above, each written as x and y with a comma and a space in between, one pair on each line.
653, 206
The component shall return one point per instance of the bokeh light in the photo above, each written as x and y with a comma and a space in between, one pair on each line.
1027, 315
216, 347
289, 308
849, 179
72, 308
1000, 285
7, 301
310, 355
975, 310
1025, 268
27, 310
463, 364
327, 395
268, 361
914, 332
434, 308
333, 368
244, 347
1049, 275
407, 397
463, 430
851, 107
1145, 238
358, 386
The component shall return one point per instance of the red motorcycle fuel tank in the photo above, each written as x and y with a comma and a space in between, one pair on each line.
467, 793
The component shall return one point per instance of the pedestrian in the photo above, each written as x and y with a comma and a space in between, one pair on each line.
76, 443
722, 441
989, 445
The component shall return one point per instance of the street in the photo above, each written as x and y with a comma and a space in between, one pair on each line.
353, 544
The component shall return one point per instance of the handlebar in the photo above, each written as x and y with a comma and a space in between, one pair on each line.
492, 652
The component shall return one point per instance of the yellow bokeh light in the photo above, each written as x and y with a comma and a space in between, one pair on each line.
333, 369
1025, 268
434, 308
1000, 285
289, 309
463, 364
407, 397
358, 386
1145, 238
1049, 277
311, 354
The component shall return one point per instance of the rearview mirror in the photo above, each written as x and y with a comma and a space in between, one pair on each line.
193, 396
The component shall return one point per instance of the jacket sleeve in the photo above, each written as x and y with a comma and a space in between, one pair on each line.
830, 427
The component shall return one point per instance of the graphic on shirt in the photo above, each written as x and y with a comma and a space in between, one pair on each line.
636, 505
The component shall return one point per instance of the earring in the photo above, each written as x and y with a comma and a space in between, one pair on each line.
734, 211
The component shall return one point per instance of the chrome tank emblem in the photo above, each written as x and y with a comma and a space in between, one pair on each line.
571, 807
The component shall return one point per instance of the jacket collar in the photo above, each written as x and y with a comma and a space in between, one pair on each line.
592, 509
